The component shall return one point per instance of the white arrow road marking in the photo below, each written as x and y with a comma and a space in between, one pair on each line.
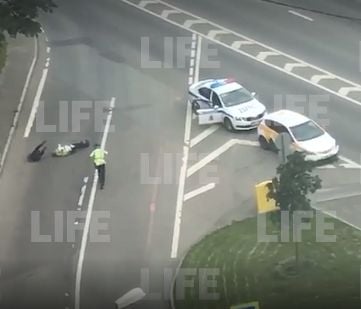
349, 163
265, 54
290, 66
199, 191
238, 44
200, 137
346, 90
166, 13
212, 33
190, 22
317, 78
216, 153
144, 3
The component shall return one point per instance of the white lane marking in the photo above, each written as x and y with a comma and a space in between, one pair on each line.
48, 49
36, 103
216, 153
166, 13
183, 171
199, 191
191, 69
198, 59
346, 90
212, 33
300, 15
84, 239
200, 137
328, 166
190, 22
349, 163
333, 215
144, 3
202, 20
317, 78
20, 106
265, 54
290, 66
82, 192
238, 44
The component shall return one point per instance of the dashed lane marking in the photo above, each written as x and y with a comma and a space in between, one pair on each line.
196, 45
290, 65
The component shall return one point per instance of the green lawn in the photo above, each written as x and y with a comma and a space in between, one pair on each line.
248, 272
2, 55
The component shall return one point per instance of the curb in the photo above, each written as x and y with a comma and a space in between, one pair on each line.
20, 106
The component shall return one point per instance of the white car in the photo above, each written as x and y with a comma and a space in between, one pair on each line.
304, 134
226, 101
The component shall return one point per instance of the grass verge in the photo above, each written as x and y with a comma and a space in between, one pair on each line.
2, 54
248, 270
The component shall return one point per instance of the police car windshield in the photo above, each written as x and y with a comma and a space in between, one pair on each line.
236, 97
306, 131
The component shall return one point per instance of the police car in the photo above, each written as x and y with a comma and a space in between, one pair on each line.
226, 101
304, 134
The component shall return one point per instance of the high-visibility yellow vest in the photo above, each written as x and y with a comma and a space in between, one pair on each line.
98, 156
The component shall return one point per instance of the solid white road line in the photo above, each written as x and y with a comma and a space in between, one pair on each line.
36, 103
183, 170
300, 15
199, 191
198, 59
200, 137
216, 153
84, 239
349, 163
20, 106
332, 214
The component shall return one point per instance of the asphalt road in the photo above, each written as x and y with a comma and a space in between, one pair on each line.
96, 55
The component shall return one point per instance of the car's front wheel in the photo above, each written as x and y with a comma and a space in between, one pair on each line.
228, 125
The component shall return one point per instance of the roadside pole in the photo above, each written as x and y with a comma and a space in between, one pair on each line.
283, 143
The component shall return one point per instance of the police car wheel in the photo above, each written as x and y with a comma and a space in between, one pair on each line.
263, 143
195, 107
228, 125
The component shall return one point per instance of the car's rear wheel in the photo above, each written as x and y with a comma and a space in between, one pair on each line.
263, 143
228, 125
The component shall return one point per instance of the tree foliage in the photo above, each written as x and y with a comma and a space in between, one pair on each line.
21, 16
291, 188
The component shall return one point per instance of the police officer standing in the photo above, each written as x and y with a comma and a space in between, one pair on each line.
98, 156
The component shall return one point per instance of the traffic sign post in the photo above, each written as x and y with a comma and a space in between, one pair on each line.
283, 143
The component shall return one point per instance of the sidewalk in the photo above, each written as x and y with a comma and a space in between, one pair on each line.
12, 80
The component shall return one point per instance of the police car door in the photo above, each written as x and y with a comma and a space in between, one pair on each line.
213, 113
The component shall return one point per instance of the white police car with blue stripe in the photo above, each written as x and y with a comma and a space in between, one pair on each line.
226, 101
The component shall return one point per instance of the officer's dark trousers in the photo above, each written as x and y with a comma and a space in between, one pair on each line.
101, 174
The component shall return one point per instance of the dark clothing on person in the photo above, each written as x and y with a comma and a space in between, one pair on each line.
37, 153
101, 175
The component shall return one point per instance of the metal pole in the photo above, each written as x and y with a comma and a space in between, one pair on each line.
283, 149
